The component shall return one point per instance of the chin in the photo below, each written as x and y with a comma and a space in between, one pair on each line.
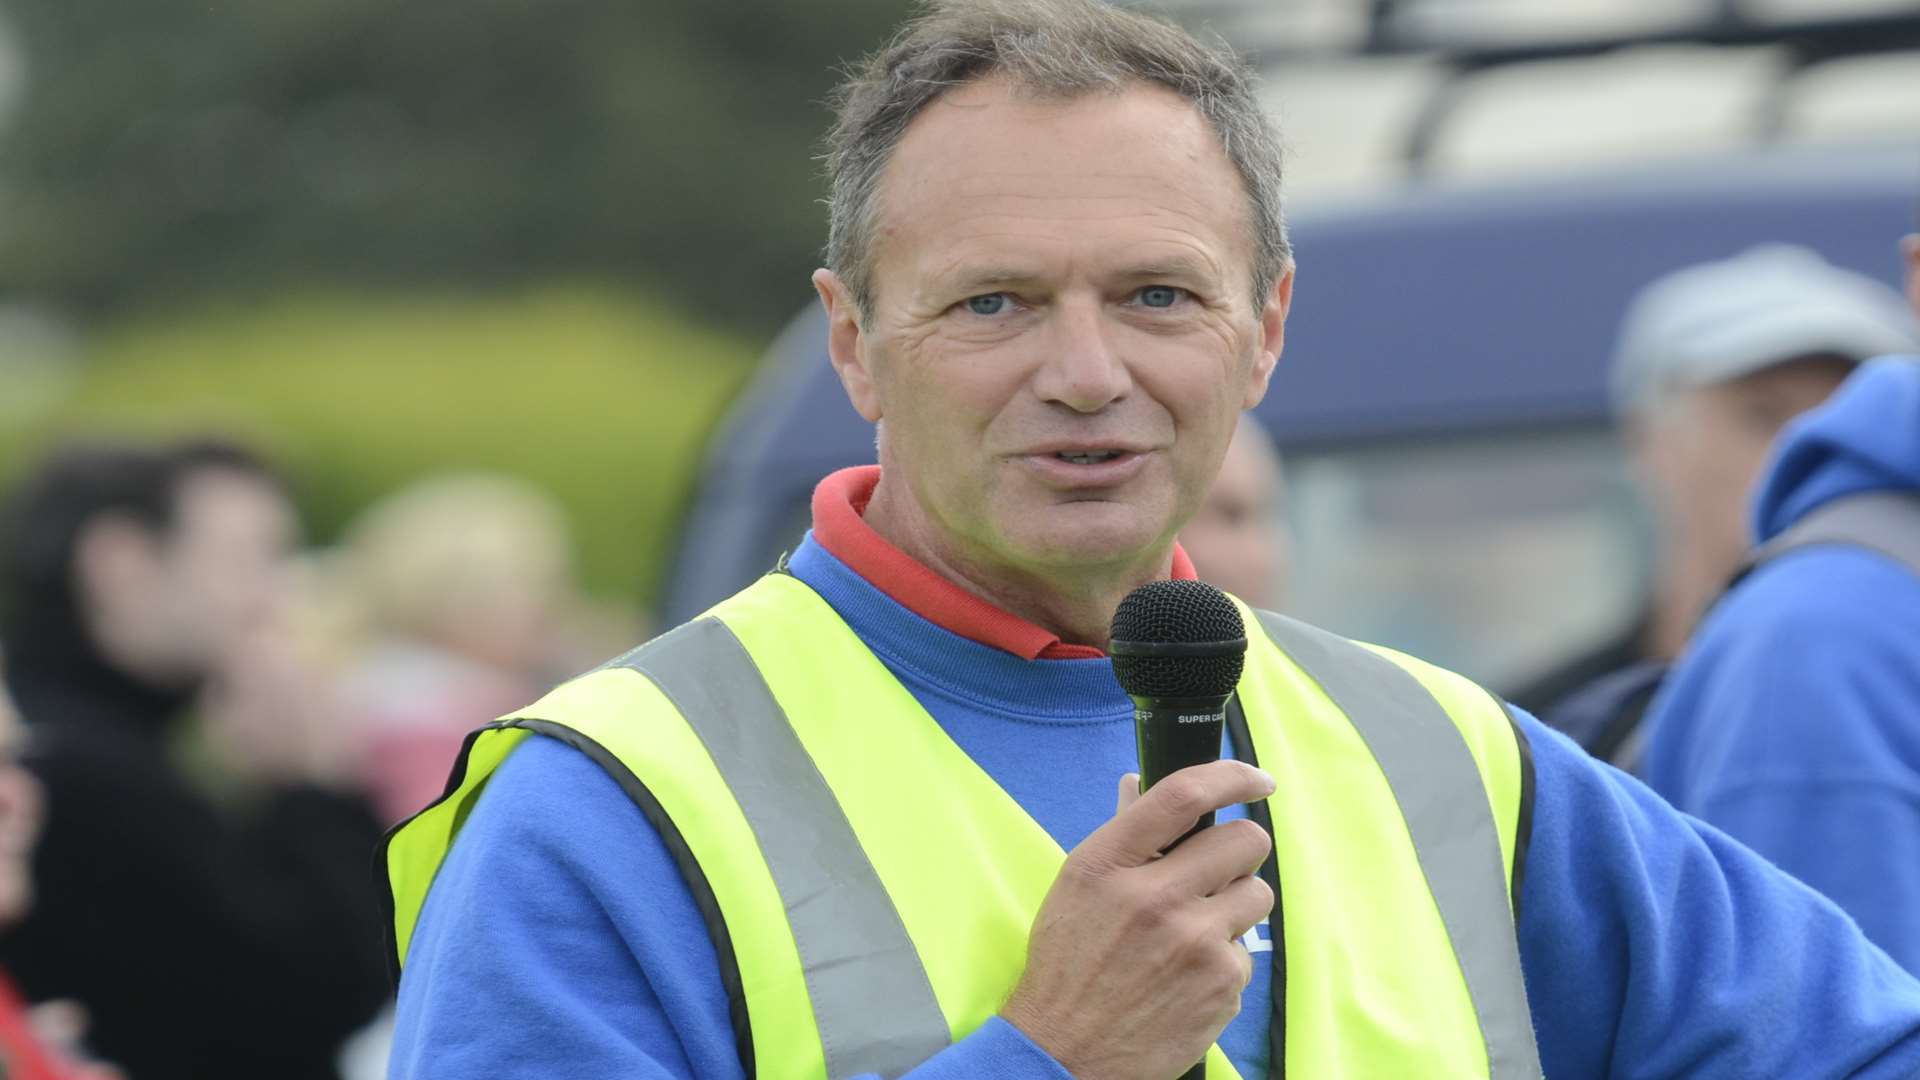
1068, 535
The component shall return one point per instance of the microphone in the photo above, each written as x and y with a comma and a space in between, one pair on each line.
1177, 648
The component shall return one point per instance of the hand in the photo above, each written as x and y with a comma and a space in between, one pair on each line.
1134, 965
271, 715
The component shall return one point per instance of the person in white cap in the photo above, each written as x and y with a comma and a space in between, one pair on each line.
1712, 361
1789, 722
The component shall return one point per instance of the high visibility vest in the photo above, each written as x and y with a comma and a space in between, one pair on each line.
869, 889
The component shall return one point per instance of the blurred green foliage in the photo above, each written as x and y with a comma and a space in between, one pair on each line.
168, 149
601, 400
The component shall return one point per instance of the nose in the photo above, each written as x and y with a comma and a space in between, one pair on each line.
1082, 371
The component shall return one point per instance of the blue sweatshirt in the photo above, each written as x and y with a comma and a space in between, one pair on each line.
1793, 720
560, 941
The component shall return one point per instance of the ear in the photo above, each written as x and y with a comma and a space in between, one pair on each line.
846, 345
1910, 246
112, 552
1273, 337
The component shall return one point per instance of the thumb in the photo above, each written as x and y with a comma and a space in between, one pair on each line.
1129, 792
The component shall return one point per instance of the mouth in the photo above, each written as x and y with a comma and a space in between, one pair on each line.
1088, 457
1082, 468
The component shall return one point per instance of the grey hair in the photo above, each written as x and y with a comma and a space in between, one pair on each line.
1055, 48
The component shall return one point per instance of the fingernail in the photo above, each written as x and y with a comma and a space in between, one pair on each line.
1267, 777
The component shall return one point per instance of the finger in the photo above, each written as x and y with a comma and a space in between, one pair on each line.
1171, 807
1246, 962
1215, 856
1240, 906
1129, 793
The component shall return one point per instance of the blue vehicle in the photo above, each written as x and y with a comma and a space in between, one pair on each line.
1454, 484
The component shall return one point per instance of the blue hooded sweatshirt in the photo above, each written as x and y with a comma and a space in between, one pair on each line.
1793, 720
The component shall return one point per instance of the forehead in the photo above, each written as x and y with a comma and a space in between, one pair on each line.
219, 498
990, 169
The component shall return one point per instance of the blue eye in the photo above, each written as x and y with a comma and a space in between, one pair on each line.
1160, 296
987, 304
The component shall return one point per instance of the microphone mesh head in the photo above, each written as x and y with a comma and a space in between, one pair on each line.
1184, 612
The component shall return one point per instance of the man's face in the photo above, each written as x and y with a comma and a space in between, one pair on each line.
1704, 451
1062, 335
228, 557
182, 599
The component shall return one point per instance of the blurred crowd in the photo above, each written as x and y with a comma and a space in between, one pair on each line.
222, 726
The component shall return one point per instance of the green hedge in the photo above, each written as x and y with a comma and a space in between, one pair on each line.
603, 400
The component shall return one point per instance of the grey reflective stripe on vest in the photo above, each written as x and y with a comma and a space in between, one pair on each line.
1434, 778
871, 996
1884, 521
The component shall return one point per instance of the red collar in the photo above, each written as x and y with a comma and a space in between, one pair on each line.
838, 505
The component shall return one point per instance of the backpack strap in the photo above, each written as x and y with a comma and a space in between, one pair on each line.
1887, 522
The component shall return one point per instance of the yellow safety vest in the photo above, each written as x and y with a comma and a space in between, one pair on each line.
869, 889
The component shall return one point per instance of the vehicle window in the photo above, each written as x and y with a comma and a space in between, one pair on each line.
1496, 555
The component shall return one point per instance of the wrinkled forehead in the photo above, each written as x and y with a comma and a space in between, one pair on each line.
991, 165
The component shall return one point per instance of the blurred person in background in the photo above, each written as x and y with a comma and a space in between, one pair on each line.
1792, 721
1712, 361
860, 818
463, 587
1238, 540
203, 943
41, 1043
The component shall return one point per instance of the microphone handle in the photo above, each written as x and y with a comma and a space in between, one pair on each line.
1173, 733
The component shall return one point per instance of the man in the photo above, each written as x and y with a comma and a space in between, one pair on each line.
1789, 722
1238, 540
202, 943
1713, 360
857, 822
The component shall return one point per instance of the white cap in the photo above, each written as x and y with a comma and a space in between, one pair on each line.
1718, 321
